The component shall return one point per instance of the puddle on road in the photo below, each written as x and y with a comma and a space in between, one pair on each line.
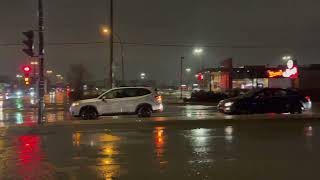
174, 153
29, 118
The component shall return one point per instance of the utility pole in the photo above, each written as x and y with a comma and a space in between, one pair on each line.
122, 65
41, 59
111, 46
181, 72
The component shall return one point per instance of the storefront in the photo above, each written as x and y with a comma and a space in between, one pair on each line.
290, 75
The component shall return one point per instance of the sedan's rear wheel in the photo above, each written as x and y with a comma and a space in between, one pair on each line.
295, 109
144, 111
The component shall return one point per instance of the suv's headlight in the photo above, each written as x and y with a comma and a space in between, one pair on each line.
228, 104
75, 104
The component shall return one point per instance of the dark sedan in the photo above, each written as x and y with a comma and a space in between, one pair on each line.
266, 100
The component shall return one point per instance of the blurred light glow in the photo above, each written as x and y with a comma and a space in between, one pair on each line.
198, 51
19, 76
49, 72
19, 93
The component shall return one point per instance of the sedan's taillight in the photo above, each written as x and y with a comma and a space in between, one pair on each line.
158, 98
308, 98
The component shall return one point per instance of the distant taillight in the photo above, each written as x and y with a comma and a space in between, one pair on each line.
308, 98
158, 99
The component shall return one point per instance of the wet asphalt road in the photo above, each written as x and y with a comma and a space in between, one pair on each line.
200, 144
267, 150
58, 114
22, 111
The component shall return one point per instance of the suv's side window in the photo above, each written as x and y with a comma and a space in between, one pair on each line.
143, 92
134, 92
131, 92
118, 93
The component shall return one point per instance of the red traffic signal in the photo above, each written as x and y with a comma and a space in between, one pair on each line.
26, 69
29, 43
200, 77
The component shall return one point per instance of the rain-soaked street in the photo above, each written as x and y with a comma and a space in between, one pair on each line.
262, 150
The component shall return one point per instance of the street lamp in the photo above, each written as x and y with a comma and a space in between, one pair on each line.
142, 75
188, 70
199, 52
106, 31
286, 58
49, 71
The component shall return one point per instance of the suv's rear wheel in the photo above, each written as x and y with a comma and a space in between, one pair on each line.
144, 111
88, 113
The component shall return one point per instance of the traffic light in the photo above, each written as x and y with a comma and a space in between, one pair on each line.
27, 81
29, 43
26, 69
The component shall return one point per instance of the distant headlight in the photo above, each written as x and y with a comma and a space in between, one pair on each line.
75, 104
228, 104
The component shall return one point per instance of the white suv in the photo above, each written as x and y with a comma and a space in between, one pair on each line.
127, 100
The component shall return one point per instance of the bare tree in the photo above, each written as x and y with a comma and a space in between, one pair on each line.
76, 77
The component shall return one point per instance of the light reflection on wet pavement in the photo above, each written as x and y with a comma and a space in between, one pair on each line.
257, 151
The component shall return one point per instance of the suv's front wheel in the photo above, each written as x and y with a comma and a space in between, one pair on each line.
87, 113
144, 111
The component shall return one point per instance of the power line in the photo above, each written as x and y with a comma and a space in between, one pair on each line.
208, 45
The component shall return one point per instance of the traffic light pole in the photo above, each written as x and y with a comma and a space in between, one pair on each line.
111, 45
181, 74
41, 59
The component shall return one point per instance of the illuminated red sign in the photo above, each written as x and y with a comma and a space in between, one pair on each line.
200, 77
274, 74
291, 72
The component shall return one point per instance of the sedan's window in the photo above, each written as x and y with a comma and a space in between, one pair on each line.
264, 94
280, 93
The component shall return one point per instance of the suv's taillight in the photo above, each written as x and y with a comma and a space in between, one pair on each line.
308, 98
158, 98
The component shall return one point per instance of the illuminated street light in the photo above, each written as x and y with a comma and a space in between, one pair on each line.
286, 58
59, 75
105, 30
142, 75
188, 70
34, 63
49, 71
198, 51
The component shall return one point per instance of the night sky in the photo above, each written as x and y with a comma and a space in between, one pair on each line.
249, 31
